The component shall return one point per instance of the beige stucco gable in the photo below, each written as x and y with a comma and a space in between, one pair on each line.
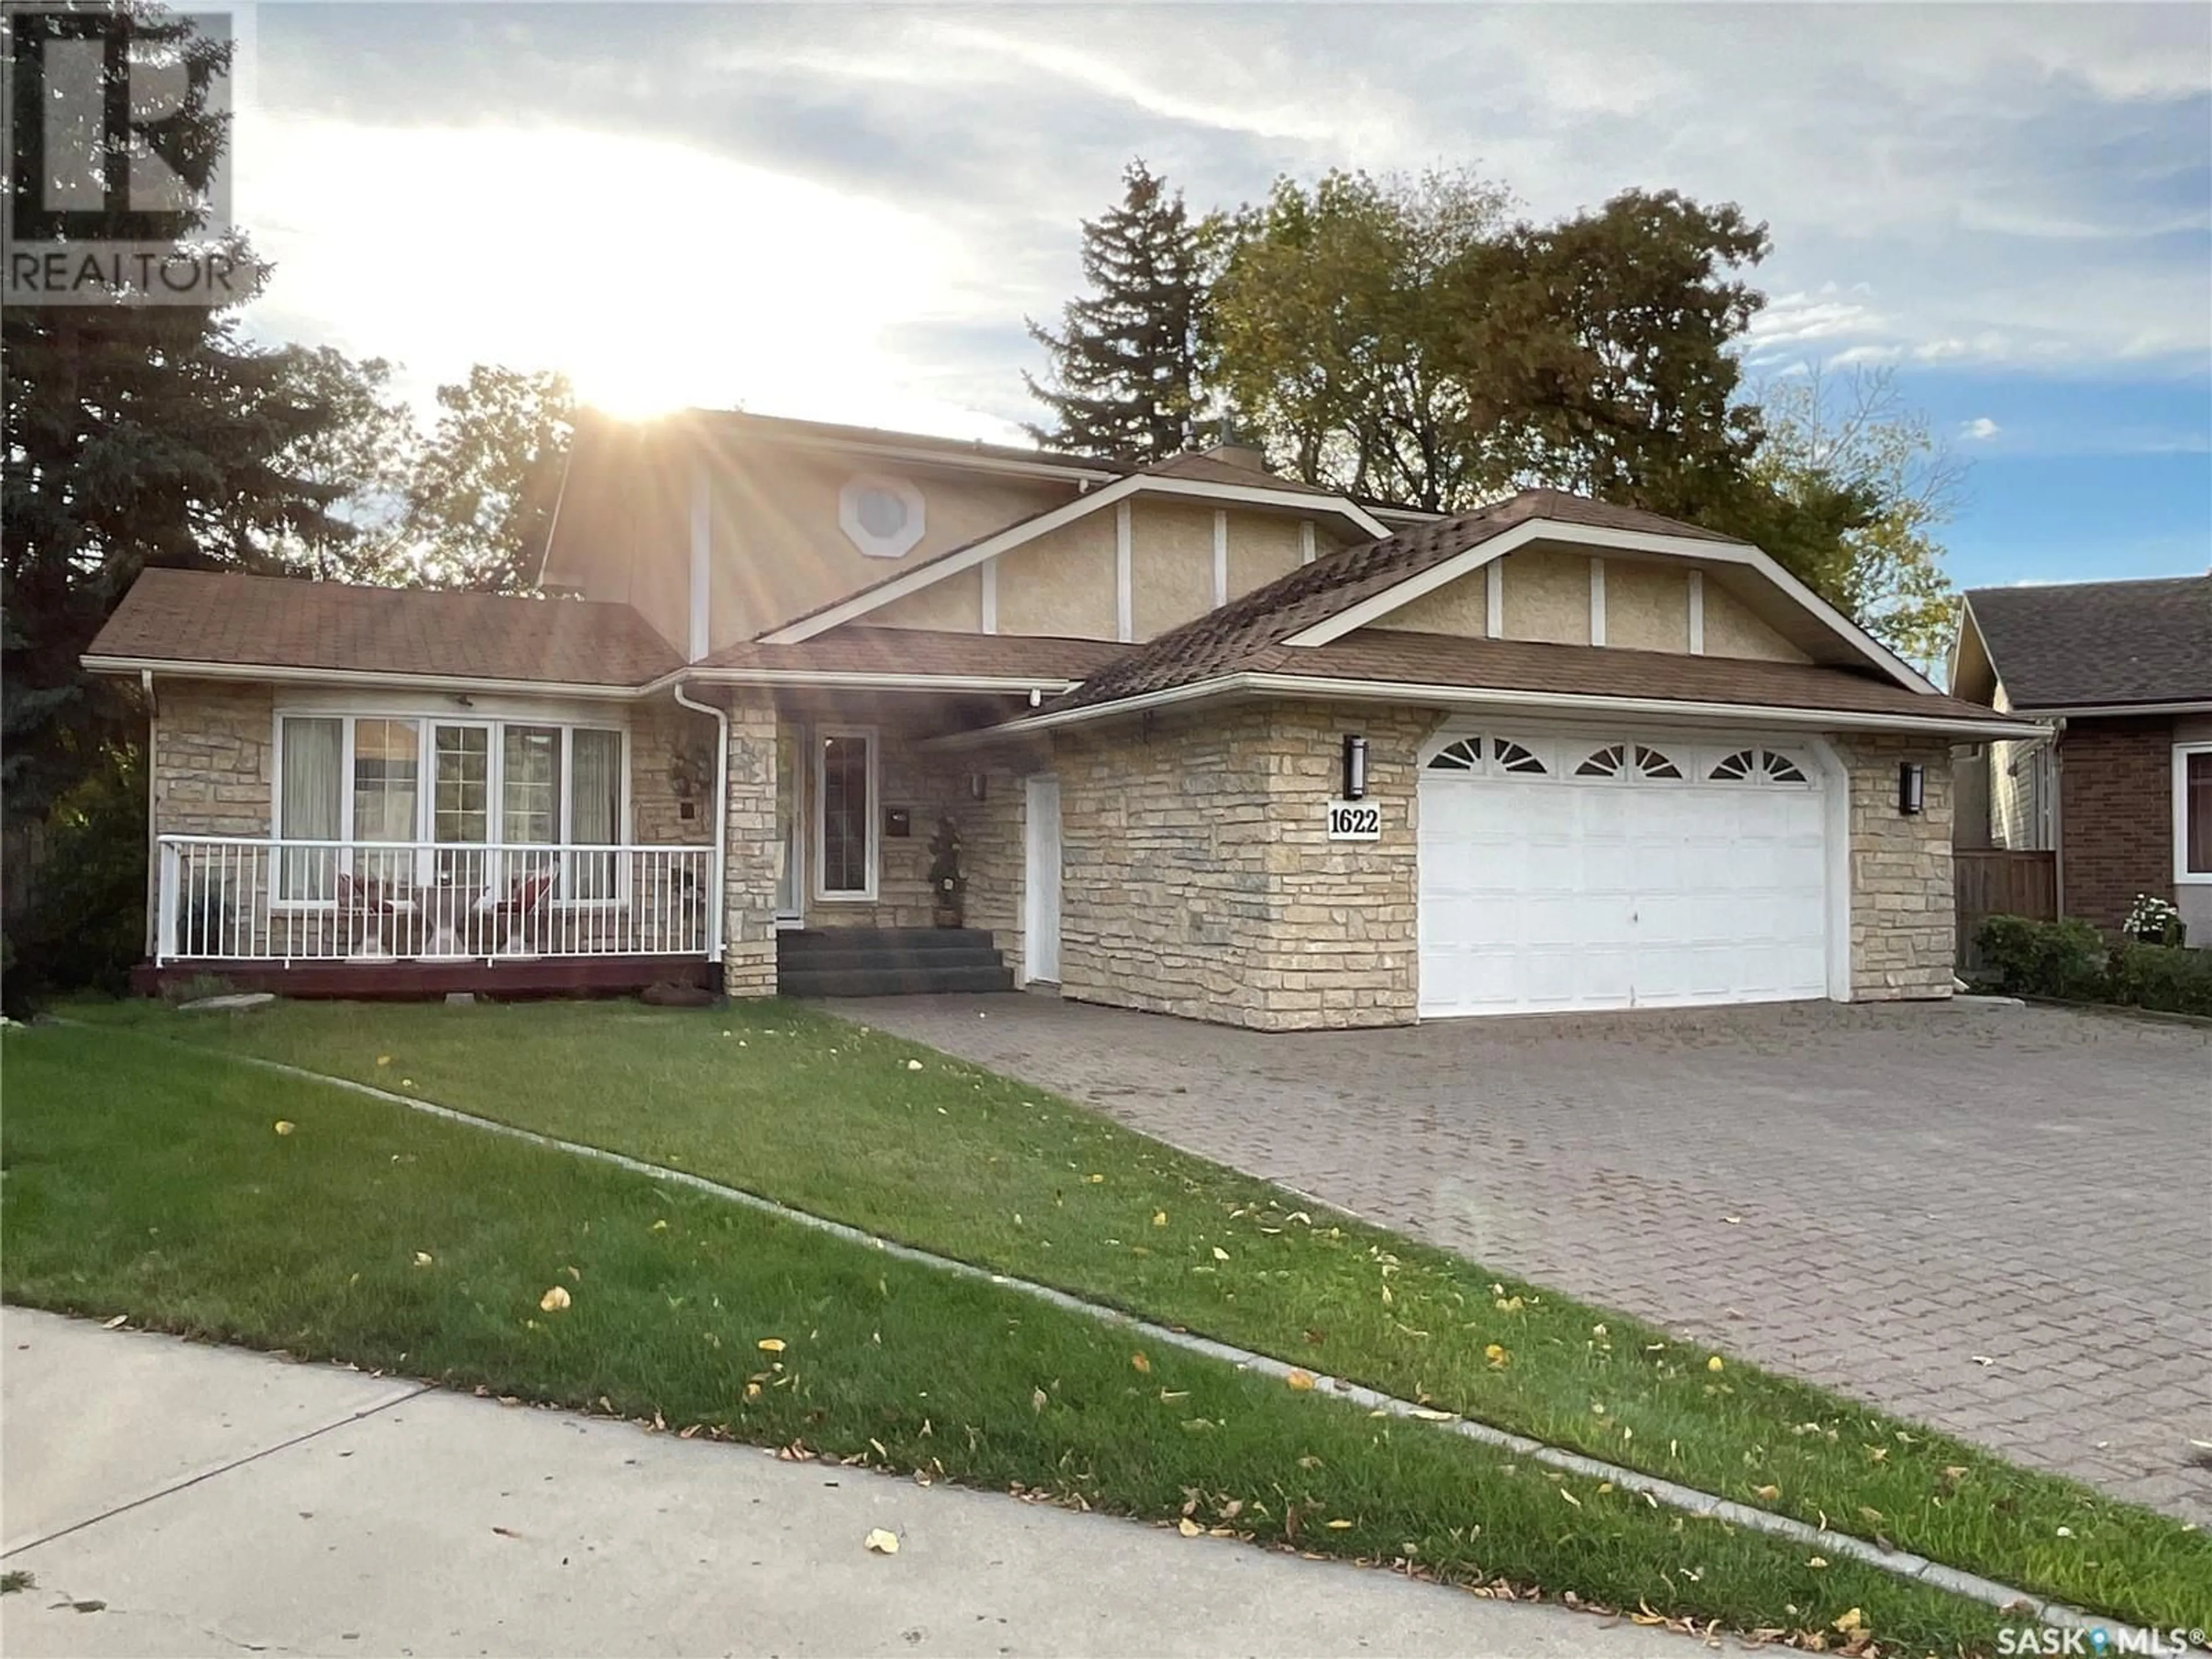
1557, 595
1184, 557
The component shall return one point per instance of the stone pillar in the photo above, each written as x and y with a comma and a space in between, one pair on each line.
1904, 923
752, 849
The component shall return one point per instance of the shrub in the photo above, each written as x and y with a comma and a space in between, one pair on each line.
2163, 977
2045, 959
2155, 920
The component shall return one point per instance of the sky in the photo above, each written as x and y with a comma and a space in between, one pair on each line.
846, 212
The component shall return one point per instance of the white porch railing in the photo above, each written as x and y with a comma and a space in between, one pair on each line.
228, 898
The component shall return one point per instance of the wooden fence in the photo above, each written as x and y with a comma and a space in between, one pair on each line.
1998, 882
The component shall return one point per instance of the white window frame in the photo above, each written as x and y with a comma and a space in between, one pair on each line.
2183, 875
900, 542
425, 719
818, 821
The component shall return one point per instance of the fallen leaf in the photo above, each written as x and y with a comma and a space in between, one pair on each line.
1852, 1620
1094, 1179
116, 1323
1220, 1254
1339, 1526
770, 1344
1300, 1380
283, 1127
1816, 1561
1139, 1362
423, 1258
1159, 1217
914, 1066
881, 1542
1038, 1400
384, 1059
554, 1299
506, 1532
1770, 1493
1188, 1528
1496, 1355
1714, 1364
1983, 1360
659, 1227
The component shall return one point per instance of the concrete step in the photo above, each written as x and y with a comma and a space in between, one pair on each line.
906, 941
890, 982
836, 961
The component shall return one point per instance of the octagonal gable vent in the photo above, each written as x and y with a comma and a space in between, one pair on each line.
881, 516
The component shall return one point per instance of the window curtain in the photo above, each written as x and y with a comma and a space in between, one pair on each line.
595, 809
307, 804
2196, 815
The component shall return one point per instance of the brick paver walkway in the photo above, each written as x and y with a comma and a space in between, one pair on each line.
1878, 1199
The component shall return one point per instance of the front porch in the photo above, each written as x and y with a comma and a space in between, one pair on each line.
377, 918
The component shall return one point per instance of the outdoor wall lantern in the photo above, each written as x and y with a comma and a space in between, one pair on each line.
1911, 788
1355, 768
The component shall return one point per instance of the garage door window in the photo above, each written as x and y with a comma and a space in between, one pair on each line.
1466, 755
1757, 766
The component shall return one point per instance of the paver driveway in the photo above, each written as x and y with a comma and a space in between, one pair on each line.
1997, 1220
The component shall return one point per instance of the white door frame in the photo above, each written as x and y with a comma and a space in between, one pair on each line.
794, 834
1035, 862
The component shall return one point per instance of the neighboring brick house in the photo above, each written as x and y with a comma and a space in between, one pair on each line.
1215, 742
2120, 788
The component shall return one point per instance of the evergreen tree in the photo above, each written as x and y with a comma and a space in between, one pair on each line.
1124, 366
132, 435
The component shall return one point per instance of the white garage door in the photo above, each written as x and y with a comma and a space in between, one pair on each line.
1598, 872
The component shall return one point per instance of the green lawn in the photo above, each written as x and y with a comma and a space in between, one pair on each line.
813, 1111
153, 1183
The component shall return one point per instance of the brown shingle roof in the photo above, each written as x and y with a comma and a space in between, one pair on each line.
1220, 641
1214, 468
200, 617
928, 651
2095, 644
1374, 653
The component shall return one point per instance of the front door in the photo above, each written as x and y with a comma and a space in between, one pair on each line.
1041, 883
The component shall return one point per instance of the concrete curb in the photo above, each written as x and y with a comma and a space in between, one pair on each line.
1689, 1499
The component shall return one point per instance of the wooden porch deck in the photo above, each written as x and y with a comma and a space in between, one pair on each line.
388, 980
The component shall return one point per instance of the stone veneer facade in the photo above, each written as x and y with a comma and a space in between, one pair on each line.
1904, 916
1197, 877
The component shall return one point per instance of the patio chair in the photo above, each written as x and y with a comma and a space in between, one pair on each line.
362, 911
494, 918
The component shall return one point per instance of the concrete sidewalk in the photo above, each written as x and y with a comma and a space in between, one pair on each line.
213, 1500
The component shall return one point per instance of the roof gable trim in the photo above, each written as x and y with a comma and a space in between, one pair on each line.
1488, 551
1043, 524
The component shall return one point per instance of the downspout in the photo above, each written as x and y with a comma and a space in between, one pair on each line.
153, 822
722, 817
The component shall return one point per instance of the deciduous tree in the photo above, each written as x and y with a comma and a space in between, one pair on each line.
480, 498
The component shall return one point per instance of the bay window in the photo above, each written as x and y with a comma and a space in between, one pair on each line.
358, 781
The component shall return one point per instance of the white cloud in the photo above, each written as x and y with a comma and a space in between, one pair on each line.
1980, 429
847, 210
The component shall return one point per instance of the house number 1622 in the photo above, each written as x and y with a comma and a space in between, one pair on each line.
1354, 820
